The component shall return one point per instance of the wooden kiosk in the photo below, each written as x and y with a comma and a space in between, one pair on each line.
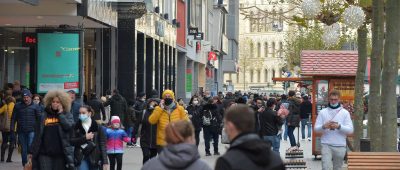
329, 70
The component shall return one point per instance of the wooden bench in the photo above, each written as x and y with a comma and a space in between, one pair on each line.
373, 160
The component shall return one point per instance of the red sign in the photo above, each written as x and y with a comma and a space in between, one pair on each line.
29, 39
212, 56
71, 85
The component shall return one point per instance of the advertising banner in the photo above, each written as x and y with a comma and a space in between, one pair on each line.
58, 62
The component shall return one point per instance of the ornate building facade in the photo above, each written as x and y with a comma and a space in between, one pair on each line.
262, 32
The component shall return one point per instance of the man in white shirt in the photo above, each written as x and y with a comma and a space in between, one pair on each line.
335, 124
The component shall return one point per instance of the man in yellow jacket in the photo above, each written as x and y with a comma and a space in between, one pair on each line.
168, 111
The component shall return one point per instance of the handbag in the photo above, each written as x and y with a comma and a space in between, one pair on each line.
4, 120
224, 137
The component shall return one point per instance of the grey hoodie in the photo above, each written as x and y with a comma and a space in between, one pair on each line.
177, 157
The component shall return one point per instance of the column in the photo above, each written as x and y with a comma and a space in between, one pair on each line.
126, 57
149, 63
162, 68
157, 65
141, 67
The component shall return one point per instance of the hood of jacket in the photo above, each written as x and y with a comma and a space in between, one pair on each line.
179, 156
254, 148
117, 97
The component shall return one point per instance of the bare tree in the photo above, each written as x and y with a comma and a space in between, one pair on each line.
389, 74
374, 104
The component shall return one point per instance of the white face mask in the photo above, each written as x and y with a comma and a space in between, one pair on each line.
36, 101
195, 102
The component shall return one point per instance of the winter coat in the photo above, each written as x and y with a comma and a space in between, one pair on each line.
137, 113
99, 155
195, 114
257, 114
305, 109
6, 112
270, 123
293, 118
216, 120
26, 117
98, 108
115, 140
75, 106
180, 156
65, 131
162, 118
247, 152
119, 107
148, 132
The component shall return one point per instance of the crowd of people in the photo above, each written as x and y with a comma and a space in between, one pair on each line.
59, 132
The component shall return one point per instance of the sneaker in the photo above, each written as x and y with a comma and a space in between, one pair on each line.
217, 153
293, 148
9, 160
309, 139
208, 154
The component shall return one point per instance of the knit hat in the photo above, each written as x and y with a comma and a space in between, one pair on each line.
170, 92
26, 92
115, 119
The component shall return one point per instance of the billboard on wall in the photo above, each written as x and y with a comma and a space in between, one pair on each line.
58, 61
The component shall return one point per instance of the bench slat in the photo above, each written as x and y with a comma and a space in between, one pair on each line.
370, 167
373, 160
374, 157
374, 153
374, 164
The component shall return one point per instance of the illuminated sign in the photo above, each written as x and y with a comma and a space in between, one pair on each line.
29, 39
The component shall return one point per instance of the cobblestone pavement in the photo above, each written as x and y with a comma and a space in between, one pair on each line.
133, 157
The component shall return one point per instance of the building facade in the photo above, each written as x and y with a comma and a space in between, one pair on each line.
262, 32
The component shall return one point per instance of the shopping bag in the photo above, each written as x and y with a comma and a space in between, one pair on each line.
28, 165
224, 137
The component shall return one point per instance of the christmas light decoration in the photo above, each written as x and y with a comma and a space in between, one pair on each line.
353, 16
331, 35
310, 8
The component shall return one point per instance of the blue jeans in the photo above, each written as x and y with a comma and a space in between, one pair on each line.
291, 135
304, 123
84, 165
285, 133
129, 132
275, 142
25, 140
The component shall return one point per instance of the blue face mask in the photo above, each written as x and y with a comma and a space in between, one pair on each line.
83, 117
334, 105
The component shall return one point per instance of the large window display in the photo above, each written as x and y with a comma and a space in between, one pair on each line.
58, 62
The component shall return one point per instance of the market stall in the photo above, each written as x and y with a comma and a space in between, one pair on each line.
329, 70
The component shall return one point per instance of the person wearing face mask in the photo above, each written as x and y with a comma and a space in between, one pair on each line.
90, 141
168, 111
335, 124
115, 145
194, 110
51, 148
148, 132
37, 99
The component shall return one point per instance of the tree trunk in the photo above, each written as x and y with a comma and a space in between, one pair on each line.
374, 104
389, 77
359, 85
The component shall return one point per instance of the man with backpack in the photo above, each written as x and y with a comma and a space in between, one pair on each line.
212, 121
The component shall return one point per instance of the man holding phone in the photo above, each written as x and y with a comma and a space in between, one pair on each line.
335, 124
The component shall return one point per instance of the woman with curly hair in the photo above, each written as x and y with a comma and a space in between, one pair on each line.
51, 147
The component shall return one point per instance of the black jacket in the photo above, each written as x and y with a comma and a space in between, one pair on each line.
293, 118
98, 107
25, 116
119, 107
195, 114
247, 152
257, 127
305, 109
65, 131
138, 109
98, 156
216, 120
270, 123
148, 132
